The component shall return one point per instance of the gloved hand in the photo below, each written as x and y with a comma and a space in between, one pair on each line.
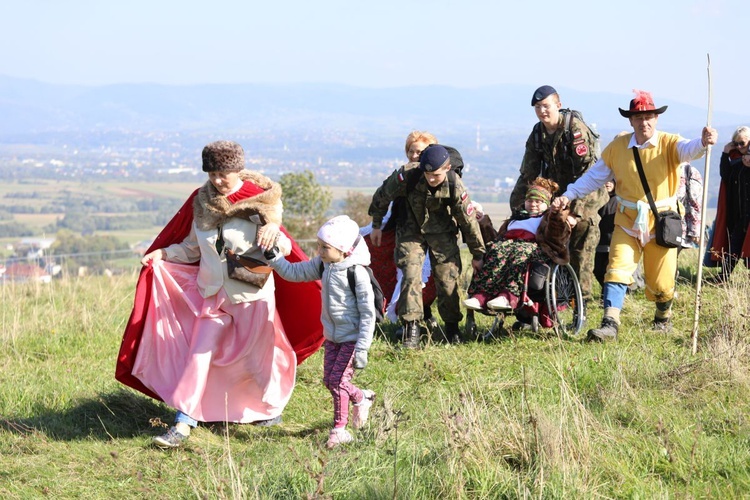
360, 359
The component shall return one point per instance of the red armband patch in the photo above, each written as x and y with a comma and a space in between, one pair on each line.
582, 149
469, 209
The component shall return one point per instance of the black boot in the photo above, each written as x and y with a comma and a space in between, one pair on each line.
608, 331
411, 335
663, 317
663, 325
453, 333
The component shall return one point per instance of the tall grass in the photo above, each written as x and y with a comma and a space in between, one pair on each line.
524, 416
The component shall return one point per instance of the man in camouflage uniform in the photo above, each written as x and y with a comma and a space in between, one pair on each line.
562, 147
437, 205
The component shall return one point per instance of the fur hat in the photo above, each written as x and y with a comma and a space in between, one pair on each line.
433, 157
542, 93
340, 232
642, 103
223, 156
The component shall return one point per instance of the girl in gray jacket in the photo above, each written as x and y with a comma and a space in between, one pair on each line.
348, 318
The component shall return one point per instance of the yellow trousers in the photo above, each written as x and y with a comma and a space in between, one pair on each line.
659, 265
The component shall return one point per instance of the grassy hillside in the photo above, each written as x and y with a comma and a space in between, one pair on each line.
524, 416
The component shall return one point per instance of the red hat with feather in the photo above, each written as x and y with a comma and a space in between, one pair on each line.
642, 103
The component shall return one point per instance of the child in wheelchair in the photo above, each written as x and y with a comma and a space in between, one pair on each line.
516, 263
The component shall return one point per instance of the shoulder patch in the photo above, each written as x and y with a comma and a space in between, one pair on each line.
469, 209
582, 149
401, 177
577, 134
464, 195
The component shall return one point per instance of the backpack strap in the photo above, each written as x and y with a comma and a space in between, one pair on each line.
452, 183
567, 135
537, 133
352, 278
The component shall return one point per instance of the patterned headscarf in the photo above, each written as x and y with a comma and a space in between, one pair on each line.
538, 193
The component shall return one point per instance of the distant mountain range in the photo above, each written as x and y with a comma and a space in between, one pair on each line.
30, 107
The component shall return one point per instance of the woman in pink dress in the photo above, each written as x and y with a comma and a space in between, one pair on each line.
211, 346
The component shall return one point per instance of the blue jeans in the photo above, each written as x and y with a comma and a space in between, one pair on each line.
182, 418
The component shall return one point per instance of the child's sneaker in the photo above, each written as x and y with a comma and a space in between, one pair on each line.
361, 410
499, 303
337, 437
171, 439
473, 303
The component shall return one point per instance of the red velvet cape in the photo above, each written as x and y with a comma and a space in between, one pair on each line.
298, 304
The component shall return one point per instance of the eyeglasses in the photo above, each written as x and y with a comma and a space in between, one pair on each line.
543, 107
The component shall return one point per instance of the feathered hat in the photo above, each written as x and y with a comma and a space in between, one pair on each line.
642, 103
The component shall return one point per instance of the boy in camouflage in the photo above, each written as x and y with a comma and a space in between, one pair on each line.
437, 205
561, 147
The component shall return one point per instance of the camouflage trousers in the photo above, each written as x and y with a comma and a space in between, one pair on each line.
583, 241
445, 258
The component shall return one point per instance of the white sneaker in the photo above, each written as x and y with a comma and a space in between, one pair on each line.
361, 410
473, 304
338, 436
499, 304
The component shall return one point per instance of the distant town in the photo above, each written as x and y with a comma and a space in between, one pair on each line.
357, 162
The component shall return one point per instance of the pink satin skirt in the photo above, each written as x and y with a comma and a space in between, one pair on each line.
211, 359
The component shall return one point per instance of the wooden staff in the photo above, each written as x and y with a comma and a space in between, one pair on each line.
704, 207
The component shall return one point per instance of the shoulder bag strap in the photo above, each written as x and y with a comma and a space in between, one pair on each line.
642, 175
220, 241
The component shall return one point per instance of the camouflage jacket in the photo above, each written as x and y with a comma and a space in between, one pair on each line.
552, 158
445, 210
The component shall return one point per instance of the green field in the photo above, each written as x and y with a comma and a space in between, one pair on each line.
525, 416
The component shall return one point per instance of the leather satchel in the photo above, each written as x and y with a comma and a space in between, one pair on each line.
247, 269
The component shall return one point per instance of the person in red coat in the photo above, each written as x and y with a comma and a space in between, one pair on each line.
214, 347
729, 238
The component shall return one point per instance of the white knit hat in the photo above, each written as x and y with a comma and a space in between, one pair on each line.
340, 232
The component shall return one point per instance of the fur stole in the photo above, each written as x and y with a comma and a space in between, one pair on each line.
211, 209
553, 235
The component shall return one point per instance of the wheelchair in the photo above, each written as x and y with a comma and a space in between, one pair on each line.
551, 298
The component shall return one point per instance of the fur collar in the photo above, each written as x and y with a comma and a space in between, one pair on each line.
211, 209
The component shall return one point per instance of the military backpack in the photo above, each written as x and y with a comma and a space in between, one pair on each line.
567, 137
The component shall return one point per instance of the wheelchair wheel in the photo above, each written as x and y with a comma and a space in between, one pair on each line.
565, 300
535, 324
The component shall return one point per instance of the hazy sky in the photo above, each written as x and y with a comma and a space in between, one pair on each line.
655, 45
